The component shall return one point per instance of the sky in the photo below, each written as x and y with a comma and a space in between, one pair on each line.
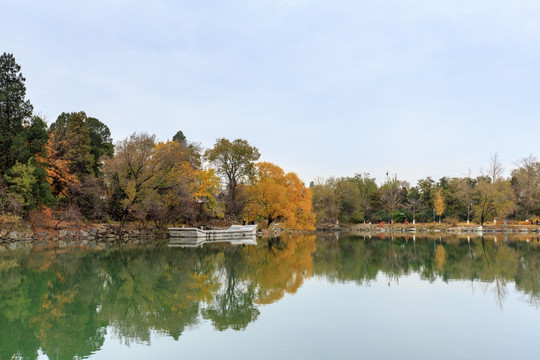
322, 88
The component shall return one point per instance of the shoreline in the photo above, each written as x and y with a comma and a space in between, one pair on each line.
432, 228
97, 236
104, 236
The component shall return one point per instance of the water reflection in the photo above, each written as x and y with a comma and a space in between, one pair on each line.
199, 242
62, 302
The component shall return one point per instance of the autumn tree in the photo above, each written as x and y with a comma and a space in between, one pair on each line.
83, 141
280, 196
149, 181
438, 204
235, 162
174, 199
76, 148
205, 191
131, 172
300, 215
58, 168
269, 192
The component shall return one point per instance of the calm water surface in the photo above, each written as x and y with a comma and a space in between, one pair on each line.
295, 297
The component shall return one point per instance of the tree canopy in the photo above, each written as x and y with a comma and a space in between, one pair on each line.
235, 162
278, 196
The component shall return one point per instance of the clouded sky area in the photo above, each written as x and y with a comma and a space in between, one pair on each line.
322, 88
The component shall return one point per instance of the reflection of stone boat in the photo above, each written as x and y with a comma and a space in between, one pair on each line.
233, 232
195, 242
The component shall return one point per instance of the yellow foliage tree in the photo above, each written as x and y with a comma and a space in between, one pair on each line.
205, 189
59, 173
439, 204
277, 196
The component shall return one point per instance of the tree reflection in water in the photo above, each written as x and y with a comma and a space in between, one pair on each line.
63, 302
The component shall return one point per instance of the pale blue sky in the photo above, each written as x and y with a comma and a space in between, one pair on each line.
322, 88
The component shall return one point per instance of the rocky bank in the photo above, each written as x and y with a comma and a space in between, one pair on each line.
99, 236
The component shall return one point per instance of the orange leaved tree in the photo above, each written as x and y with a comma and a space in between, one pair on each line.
279, 196
59, 173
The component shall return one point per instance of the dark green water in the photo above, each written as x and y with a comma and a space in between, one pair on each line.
297, 297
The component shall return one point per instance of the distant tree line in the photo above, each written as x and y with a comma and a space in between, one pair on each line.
71, 171
489, 196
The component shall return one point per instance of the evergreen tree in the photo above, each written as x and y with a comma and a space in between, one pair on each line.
78, 146
59, 127
15, 111
180, 137
100, 142
93, 138
36, 135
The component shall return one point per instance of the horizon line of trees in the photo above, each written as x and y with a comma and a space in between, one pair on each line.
486, 197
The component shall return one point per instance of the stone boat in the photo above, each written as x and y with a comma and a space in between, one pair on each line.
233, 232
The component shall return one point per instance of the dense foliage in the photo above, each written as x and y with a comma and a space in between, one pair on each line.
71, 170
483, 198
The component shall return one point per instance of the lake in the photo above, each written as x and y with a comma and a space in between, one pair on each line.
294, 297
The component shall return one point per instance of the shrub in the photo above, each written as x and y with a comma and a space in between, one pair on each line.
452, 220
10, 221
42, 218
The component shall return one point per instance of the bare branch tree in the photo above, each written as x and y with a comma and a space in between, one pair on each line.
495, 168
